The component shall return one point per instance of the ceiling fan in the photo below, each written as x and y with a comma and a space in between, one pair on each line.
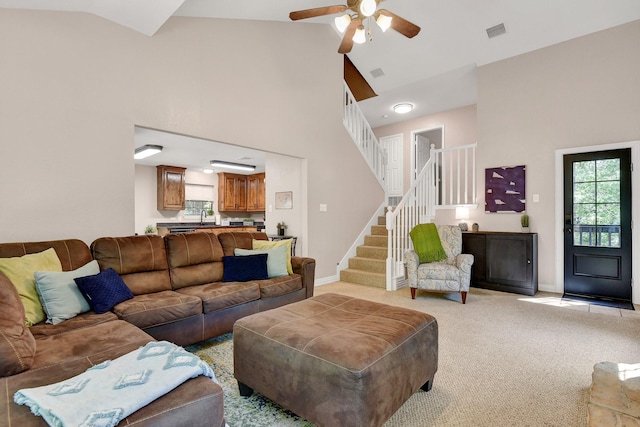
352, 23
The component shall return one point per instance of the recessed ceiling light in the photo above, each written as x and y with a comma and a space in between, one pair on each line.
403, 108
207, 170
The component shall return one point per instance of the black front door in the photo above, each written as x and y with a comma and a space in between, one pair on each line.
597, 224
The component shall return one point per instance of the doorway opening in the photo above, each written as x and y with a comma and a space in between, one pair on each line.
421, 141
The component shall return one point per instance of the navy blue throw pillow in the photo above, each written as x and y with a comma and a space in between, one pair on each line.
244, 268
103, 290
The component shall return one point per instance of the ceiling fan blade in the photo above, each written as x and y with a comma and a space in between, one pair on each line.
347, 40
318, 11
401, 25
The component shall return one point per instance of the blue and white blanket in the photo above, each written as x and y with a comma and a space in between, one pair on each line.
105, 394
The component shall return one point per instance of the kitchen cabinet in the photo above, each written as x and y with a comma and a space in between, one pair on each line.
503, 261
232, 192
241, 193
170, 183
256, 199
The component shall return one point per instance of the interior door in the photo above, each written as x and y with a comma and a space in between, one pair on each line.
394, 172
597, 225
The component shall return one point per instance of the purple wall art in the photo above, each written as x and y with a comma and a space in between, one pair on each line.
504, 189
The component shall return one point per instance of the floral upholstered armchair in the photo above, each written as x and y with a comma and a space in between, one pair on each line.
452, 274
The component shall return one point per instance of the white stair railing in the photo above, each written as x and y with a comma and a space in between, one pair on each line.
363, 136
446, 181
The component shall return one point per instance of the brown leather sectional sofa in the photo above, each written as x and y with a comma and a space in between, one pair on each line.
178, 297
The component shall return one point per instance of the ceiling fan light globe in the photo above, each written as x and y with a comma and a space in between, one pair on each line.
342, 22
368, 7
384, 22
359, 36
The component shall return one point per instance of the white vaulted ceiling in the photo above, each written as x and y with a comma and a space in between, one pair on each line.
436, 70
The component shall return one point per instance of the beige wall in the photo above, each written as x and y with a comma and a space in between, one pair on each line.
460, 128
73, 86
584, 92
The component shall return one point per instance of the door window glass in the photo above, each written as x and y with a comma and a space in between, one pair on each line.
596, 203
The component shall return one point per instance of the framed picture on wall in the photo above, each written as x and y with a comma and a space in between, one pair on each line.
284, 200
505, 189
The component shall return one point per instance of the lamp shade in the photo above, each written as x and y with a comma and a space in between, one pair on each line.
384, 22
342, 22
360, 36
462, 213
368, 7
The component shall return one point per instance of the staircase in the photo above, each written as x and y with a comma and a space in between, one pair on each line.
447, 181
368, 267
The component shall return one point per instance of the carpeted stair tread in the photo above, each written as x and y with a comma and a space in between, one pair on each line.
375, 241
379, 230
361, 277
375, 252
368, 264
382, 220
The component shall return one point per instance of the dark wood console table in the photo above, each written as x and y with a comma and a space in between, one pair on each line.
503, 261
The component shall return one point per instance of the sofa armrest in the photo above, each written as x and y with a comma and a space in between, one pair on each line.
305, 267
464, 262
411, 261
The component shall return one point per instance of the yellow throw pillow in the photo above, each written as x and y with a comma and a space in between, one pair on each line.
267, 244
20, 270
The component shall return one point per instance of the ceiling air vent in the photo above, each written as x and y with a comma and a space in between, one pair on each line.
496, 30
377, 72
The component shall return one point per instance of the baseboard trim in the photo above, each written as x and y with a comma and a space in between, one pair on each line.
326, 280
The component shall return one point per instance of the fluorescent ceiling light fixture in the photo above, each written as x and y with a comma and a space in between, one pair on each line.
368, 7
402, 108
231, 165
384, 22
359, 36
207, 170
342, 22
146, 151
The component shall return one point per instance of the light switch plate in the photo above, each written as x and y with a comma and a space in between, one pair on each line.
323, 207
536, 198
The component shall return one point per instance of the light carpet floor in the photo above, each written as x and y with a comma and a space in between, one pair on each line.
504, 360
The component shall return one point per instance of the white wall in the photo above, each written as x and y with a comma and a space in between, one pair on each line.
73, 86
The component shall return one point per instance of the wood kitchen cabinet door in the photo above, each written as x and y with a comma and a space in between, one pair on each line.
256, 193
170, 183
232, 192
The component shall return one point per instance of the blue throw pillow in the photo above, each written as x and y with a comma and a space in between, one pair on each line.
244, 268
104, 290
276, 259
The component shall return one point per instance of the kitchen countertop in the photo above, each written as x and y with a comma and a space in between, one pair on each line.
205, 224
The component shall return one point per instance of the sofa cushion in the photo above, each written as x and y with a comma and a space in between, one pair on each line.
276, 259
217, 296
239, 239
21, 270
82, 320
61, 299
158, 308
278, 286
194, 259
103, 290
245, 268
264, 244
17, 345
141, 261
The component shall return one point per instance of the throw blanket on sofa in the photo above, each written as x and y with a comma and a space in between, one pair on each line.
106, 393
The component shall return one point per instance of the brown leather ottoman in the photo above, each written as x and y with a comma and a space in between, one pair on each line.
336, 360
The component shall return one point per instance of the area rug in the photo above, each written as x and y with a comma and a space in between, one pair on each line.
253, 411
